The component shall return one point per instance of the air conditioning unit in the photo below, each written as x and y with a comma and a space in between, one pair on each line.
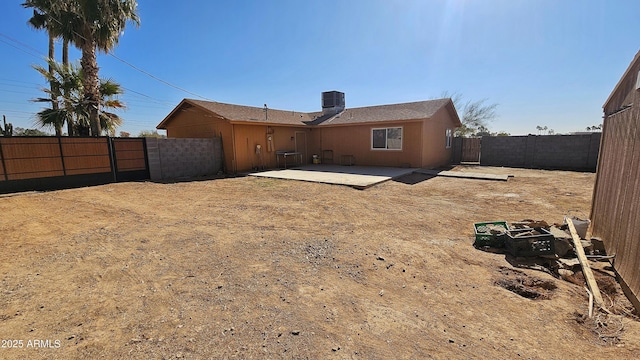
332, 102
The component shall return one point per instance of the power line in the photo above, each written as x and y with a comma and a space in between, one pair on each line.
157, 78
15, 47
135, 67
17, 111
148, 97
40, 55
21, 43
20, 81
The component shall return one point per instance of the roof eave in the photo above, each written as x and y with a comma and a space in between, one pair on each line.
371, 122
454, 113
262, 122
624, 76
162, 125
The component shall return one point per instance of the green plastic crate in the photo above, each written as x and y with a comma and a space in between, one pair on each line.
486, 238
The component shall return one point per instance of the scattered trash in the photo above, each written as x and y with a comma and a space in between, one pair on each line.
559, 249
581, 224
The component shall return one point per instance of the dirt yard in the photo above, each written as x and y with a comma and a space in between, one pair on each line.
261, 268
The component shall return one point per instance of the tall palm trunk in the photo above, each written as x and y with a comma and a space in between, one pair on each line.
90, 83
65, 52
65, 63
54, 99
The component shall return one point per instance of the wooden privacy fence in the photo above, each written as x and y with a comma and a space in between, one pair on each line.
130, 159
46, 163
615, 212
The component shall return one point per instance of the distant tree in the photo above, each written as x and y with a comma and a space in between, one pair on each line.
482, 131
594, 127
29, 132
543, 129
151, 133
502, 133
475, 115
124, 134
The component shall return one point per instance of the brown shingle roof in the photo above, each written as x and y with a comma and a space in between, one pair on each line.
393, 112
253, 114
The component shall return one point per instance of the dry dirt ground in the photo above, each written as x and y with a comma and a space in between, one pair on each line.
261, 268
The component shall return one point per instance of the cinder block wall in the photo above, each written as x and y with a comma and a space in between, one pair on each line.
508, 151
183, 158
555, 152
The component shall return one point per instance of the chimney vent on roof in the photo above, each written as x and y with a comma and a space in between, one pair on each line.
332, 102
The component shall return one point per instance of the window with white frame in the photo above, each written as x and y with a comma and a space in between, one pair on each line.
386, 138
448, 135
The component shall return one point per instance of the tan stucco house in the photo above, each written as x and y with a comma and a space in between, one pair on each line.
415, 134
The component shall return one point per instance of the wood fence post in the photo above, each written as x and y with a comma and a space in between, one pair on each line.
146, 157
112, 157
64, 168
4, 166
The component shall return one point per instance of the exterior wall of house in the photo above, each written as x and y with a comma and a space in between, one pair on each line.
355, 140
196, 123
434, 150
423, 142
247, 137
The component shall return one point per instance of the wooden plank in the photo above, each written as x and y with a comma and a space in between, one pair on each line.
131, 164
88, 162
31, 150
84, 148
128, 145
586, 269
33, 165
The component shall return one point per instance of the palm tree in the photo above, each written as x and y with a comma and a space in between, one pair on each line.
110, 121
43, 20
45, 16
95, 25
66, 85
67, 91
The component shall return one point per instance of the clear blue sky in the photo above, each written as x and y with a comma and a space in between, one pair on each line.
545, 62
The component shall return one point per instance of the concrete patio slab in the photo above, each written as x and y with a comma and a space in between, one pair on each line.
465, 175
360, 177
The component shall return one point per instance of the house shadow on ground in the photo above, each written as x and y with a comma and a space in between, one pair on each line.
413, 178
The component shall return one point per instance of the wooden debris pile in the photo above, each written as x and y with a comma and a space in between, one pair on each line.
559, 249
